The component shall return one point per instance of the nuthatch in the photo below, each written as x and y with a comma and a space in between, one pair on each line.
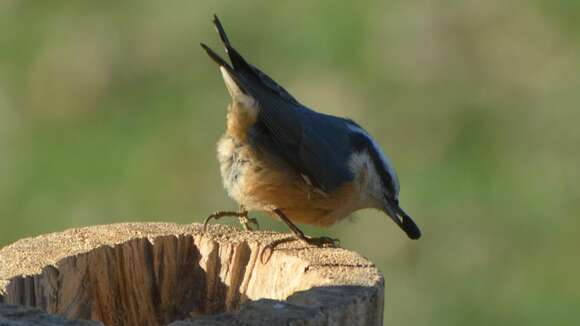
302, 166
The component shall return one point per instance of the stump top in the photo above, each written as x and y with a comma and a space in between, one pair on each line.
151, 247
29, 255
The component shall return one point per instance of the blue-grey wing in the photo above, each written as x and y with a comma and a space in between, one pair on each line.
314, 144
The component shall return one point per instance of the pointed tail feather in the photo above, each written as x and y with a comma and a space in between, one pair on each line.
221, 31
215, 57
239, 66
231, 78
238, 61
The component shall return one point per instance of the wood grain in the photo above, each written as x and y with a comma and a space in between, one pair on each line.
162, 273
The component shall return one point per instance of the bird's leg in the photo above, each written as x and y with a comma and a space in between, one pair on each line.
245, 220
319, 242
217, 215
242, 214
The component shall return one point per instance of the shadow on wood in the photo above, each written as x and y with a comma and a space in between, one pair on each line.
160, 273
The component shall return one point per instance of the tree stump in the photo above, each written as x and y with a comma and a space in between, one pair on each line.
168, 274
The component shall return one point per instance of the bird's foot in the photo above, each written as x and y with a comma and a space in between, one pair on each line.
219, 214
322, 242
242, 215
247, 221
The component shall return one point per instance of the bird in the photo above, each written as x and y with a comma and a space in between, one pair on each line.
299, 165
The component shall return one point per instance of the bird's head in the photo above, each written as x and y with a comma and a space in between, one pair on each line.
380, 180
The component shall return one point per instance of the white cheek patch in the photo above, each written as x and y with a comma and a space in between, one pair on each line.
367, 179
385, 162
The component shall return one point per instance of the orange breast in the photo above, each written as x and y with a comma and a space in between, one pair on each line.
273, 184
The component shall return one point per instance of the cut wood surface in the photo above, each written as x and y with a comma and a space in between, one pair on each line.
163, 273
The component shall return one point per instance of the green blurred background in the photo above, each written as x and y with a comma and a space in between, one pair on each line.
110, 112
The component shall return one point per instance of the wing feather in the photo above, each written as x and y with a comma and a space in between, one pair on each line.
314, 144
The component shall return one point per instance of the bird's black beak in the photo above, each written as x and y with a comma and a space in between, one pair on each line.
409, 227
404, 221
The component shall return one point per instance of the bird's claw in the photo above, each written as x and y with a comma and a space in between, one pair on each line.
323, 242
247, 221
242, 215
208, 219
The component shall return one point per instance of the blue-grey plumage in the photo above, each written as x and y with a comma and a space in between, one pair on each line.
278, 155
